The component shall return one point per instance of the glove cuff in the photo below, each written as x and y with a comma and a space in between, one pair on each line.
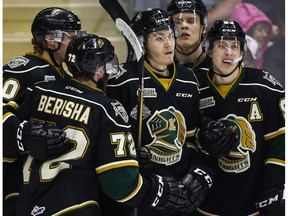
269, 200
158, 190
203, 174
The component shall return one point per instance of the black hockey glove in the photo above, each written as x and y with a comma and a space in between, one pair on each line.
215, 139
198, 181
143, 158
41, 140
169, 193
271, 203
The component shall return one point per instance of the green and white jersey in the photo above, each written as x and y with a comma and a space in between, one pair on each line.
170, 113
103, 157
255, 104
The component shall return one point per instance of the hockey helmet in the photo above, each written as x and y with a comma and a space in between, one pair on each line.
153, 20
53, 19
88, 51
193, 6
226, 30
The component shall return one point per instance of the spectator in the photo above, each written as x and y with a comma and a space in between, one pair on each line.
274, 57
255, 24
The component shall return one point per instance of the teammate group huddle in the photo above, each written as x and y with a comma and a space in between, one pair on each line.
212, 136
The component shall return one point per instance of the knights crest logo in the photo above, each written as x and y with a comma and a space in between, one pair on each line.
239, 158
168, 129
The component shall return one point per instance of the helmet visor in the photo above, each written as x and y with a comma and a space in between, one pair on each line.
112, 66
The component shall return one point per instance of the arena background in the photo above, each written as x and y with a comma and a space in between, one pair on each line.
18, 16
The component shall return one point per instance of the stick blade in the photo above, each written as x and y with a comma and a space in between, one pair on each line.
125, 29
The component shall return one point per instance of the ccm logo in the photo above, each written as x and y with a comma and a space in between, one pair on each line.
184, 95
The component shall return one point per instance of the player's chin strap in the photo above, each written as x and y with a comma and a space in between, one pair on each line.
158, 70
51, 52
186, 54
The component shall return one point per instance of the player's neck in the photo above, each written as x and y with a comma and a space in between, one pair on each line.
220, 81
193, 58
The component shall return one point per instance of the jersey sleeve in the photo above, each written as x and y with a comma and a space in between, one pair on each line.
274, 138
117, 166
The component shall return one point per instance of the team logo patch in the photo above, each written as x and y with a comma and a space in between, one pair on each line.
239, 158
37, 210
145, 112
48, 78
18, 61
119, 110
206, 102
168, 130
100, 43
271, 79
150, 93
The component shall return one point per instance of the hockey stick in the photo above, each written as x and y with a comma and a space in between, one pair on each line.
133, 40
115, 10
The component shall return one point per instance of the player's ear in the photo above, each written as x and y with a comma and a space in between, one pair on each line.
100, 71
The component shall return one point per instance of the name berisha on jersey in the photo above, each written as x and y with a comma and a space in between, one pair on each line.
65, 108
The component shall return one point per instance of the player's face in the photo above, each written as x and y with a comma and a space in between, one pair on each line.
59, 55
190, 29
160, 48
225, 55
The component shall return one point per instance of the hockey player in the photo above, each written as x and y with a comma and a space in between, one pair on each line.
52, 30
191, 19
171, 100
249, 178
103, 156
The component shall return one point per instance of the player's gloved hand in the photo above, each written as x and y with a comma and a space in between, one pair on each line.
198, 180
41, 140
271, 203
143, 158
168, 193
215, 139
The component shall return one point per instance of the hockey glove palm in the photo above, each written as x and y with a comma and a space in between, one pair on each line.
41, 140
215, 139
198, 181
